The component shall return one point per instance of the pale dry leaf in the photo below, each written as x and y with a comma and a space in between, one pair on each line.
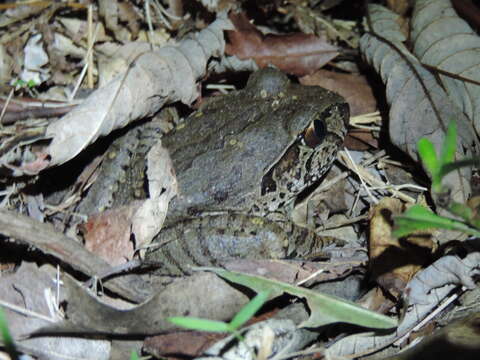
27, 289
6, 64
419, 107
448, 270
108, 9
66, 47
35, 59
77, 30
155, 78
162, 187
183, 296
444, 40
288, 338
425, 291
20, 12
117, 59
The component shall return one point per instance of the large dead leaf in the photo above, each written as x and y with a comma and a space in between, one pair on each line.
354, 88
424, 292
298, 53
52, 242
107, 234
30, 289
448, 271
153, 79
444, 40
202, 295
419, 107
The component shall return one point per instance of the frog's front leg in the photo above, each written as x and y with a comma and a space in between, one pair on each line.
207, 240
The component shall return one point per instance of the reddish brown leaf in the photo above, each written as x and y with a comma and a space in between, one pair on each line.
108, 234
354, 88
178, 345
297, 53
360, 140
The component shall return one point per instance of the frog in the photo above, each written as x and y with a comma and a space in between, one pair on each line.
241, 161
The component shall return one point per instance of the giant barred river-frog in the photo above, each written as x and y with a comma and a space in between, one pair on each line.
241, 161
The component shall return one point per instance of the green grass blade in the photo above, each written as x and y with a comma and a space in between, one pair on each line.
247, 312
194, 323
428, 156
449, 145
324, 309
420, 218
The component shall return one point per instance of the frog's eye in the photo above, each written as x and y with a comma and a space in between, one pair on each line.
315, 133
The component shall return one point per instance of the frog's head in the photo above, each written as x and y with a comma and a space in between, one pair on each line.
317, 129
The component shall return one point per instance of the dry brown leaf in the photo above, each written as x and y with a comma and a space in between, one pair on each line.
376, 300
458, 340
19, 12
108, 234
360, 140
178, 345
399, 6
157, 77
183, 296
393, 262
298, 53
354, 88
45, 238
449, 270
419, 105
31, 288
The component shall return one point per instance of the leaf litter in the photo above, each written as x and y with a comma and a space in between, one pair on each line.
140, 79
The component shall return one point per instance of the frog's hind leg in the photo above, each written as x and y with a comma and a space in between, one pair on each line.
208, 240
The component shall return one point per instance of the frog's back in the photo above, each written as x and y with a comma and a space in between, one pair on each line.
221, 156
224, 150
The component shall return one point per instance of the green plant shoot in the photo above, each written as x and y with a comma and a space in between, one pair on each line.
420, 218
238, 320
434, 165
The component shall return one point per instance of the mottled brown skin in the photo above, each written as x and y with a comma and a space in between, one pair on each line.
224, 151
249, 152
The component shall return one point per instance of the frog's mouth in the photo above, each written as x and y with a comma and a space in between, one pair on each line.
305, 161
